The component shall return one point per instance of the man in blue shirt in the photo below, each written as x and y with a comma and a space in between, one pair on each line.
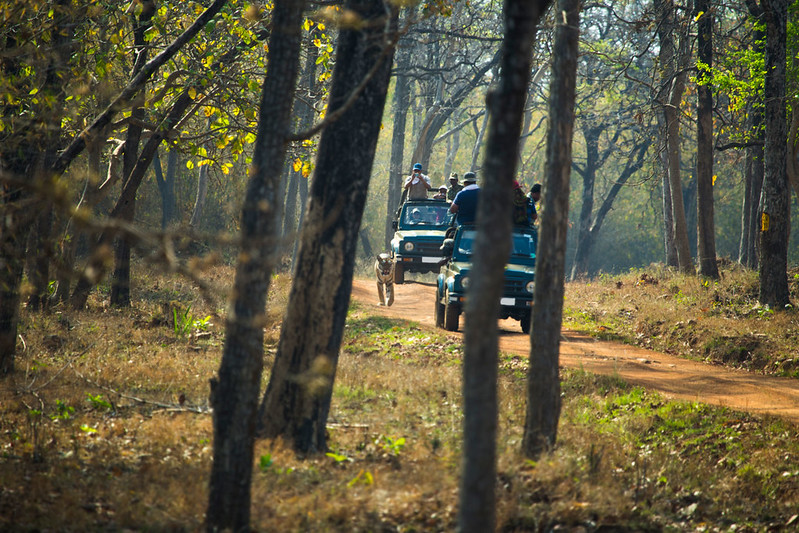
464, 206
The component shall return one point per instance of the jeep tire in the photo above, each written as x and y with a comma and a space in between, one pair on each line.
399, 273
525, 323
451, 314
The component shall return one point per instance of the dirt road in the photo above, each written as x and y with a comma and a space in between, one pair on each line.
673, 377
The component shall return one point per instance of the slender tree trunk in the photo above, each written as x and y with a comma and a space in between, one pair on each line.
754, 167
235, 394
304, 109
396, 167
199, 198
543, 384
775, 215
120, 281
753, 175
580, 263
704, 153
14, 227
478, 142
492, 247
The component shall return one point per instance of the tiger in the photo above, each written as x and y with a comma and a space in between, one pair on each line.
384, 271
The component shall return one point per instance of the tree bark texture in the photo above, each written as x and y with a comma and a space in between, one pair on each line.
26, 153
704, 151
396, 169
297, 399
753, 185
492, 248
235, 394
543, 384
672, 86
775, 214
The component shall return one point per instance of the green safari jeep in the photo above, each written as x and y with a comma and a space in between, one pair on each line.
453, 280
419, 232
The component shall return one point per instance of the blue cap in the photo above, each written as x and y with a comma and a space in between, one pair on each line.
417, 166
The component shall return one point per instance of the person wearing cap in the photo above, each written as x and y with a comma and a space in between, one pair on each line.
417, 184
441, 194
454, 186
535, 197
464, 206
523, 208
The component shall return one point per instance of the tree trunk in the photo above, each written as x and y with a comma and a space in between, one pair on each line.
14, 227
477, 511
704, 140
297, 399
775, 215
304, 109
753, 175
199, 198
26, 154
396, 168
669, 98
120, 281
543, 385
235, 394
478, 142
40, 239
166, 187
581, 253
453, 144
748, 254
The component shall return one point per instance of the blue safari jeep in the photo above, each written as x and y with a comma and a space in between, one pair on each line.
453, 281
419, 232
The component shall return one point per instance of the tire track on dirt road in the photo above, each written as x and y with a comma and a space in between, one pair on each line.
673, 377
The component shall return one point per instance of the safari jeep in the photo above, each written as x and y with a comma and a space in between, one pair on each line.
418, 234
453, 281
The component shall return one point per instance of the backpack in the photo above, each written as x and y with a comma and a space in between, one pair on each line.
521, 203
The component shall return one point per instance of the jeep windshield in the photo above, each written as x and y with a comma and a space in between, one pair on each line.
523, 251
428, 216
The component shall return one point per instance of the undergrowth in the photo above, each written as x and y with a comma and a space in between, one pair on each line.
106, 427
719, 321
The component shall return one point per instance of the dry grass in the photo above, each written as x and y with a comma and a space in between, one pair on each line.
135, 451
718, 321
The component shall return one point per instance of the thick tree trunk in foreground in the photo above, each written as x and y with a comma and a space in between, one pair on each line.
775, 215
543, 383
235, 396
492, 248
704, 152
297, 399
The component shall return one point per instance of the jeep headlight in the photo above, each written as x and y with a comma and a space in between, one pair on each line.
465, 282
530, 286
408, 246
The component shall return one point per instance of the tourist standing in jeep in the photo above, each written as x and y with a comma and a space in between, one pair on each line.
417, 184
464, 206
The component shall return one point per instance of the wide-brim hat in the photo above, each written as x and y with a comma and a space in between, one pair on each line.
470, 177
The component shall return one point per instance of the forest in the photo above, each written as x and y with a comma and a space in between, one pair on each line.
179, 139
